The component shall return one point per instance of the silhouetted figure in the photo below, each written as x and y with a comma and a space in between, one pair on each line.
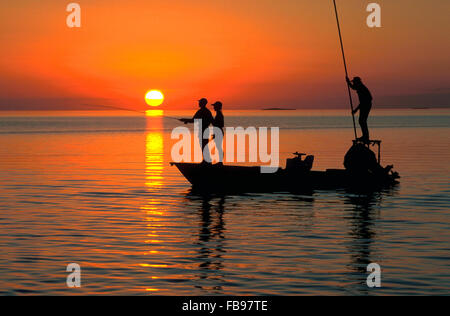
364, 107
206, 119
219, 122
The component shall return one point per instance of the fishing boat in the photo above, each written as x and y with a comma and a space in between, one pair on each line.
363, 171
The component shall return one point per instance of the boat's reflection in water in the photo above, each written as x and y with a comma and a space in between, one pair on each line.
361, 218
362, 222
210, 242
212, 235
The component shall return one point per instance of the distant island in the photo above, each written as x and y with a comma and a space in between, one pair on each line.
279, 109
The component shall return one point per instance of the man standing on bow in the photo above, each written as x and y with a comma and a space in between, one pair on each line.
206, 119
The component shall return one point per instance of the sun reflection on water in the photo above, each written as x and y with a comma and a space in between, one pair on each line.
154, 113
154, 160
154, 180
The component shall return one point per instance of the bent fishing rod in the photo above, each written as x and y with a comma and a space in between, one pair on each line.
345, 67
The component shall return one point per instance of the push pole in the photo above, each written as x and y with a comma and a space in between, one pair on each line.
345, 66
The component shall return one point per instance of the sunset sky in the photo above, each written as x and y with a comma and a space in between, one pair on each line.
247, 53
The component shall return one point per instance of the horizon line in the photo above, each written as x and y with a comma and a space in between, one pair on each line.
231, 108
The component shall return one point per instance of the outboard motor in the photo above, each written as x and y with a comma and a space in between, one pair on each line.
360, 158
298, 165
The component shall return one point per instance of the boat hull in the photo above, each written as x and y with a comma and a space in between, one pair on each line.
224, 178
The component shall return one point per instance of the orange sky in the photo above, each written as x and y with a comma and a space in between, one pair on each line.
247, 53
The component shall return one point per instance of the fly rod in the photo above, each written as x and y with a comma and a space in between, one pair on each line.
131, 110
345, 67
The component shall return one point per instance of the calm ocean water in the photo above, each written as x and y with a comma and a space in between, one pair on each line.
97, 189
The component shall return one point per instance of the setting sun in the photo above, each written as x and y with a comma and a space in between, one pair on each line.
154, 98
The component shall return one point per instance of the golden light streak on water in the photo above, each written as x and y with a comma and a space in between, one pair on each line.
154, 181
154, 113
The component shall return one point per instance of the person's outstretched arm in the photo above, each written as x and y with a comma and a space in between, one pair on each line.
350, 83
191, 120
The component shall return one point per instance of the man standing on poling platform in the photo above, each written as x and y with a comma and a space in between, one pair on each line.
364, 107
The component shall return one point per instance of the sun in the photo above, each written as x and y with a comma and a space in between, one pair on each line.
154, 98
